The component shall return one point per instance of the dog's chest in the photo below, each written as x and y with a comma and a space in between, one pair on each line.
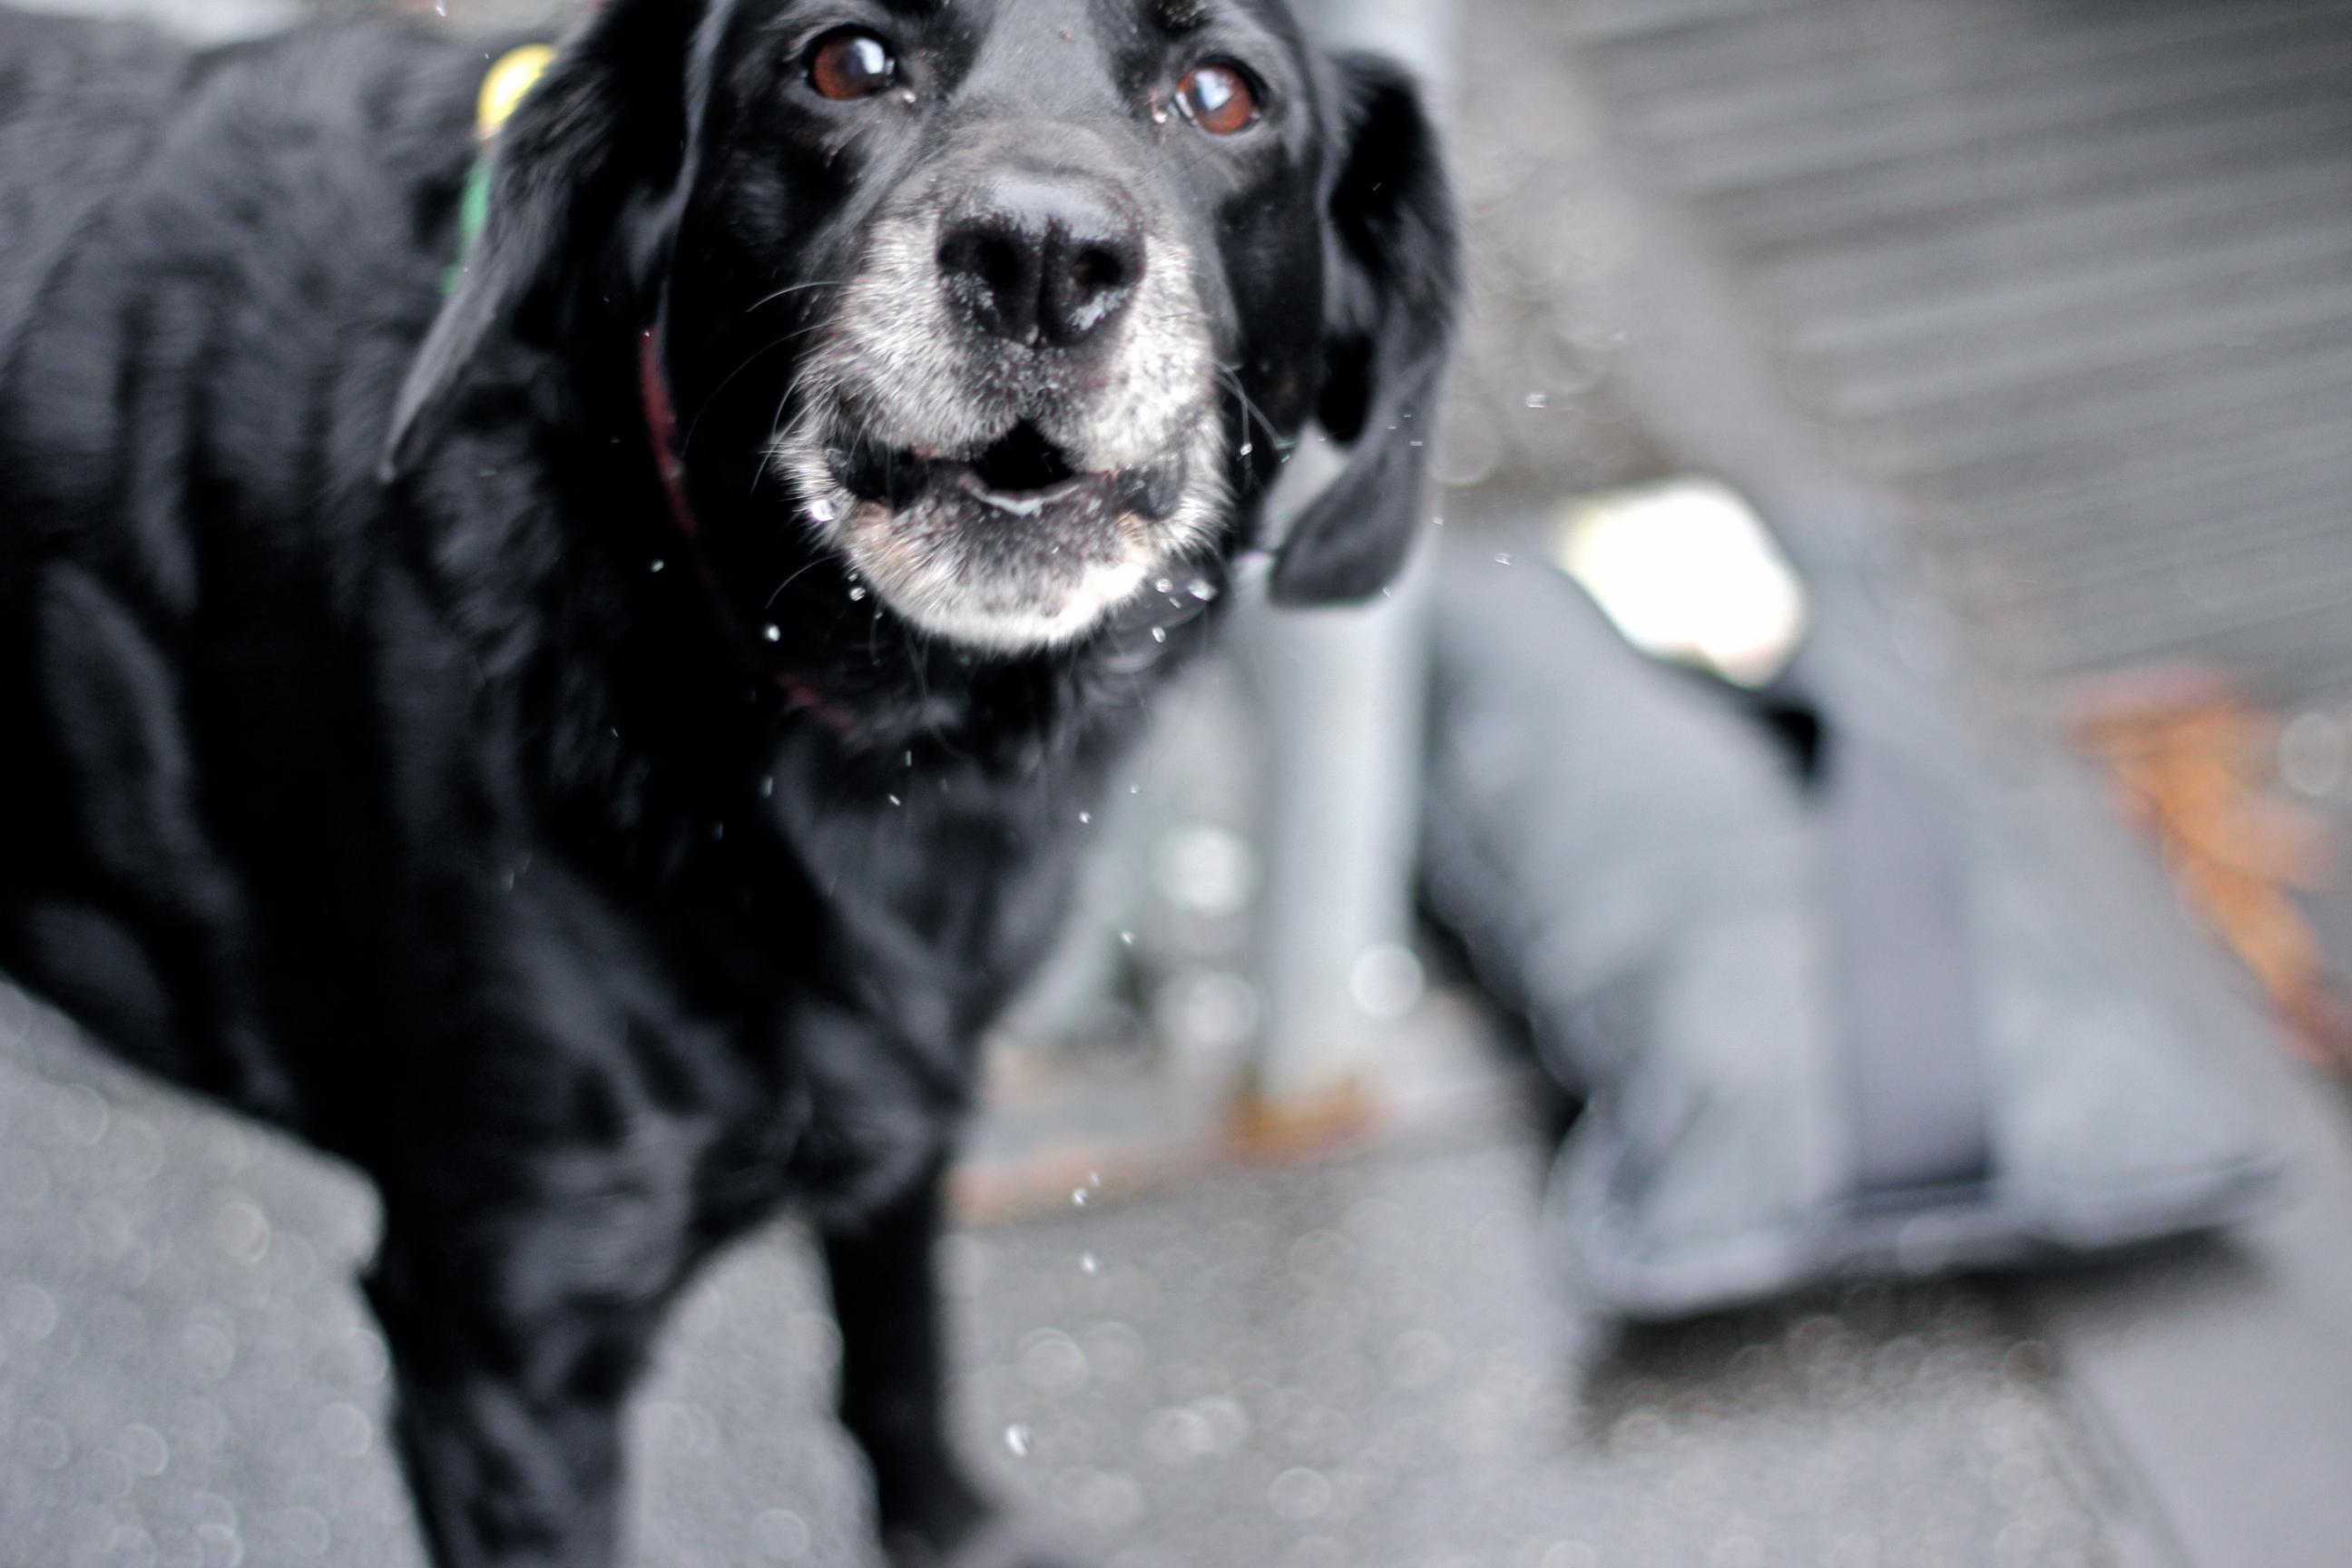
819, 1037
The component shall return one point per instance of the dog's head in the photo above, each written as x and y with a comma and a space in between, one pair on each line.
1009, 309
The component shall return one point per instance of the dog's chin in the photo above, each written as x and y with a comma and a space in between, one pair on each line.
1010, 549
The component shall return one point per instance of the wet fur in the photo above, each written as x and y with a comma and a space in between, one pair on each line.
441, 811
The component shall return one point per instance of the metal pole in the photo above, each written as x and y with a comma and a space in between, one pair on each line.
1341, 693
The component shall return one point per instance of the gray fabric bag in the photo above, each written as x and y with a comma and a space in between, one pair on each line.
1922, 1006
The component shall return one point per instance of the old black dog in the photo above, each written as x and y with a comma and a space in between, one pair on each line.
589, 724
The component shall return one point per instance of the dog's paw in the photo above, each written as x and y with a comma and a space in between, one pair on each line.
1002, 1542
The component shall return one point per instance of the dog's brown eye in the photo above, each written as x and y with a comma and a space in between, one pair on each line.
1218, 98
849, 64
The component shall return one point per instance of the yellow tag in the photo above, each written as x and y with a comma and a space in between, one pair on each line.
509, 84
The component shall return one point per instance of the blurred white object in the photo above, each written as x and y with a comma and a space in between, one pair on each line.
1686, 571
205, 21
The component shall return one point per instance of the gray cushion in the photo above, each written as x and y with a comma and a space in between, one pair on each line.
1927, 1008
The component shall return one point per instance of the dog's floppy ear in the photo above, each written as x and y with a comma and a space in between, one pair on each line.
1394, 272
607, 119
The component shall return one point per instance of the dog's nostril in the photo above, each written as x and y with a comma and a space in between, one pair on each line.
1087, 282
1052, 256
1094, 286
988, 268
1095, 270
1000, 268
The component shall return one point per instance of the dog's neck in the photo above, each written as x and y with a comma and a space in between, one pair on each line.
799, 692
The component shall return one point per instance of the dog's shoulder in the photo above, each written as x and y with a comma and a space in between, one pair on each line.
270, 140
216, 255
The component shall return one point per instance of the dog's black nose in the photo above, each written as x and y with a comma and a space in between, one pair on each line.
1033, 256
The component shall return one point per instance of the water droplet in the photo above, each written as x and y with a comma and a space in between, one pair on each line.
773, 634
2316, 755
821, 510
768, 788
1017, 1440
1299, 1495
1502, 559
1208, 871
781, 1535
1086, 1264
1165, 585
1160, 634
1086, 818
896, 801
1386, 981
1128, 937
305, 1531
346, 1429
1249, 449
1078, 1198
661, 565
1202, 590
46, 1444
1537, 400
30, 1314
144, 1447
857, 596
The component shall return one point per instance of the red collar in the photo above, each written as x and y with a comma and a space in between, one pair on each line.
661, 429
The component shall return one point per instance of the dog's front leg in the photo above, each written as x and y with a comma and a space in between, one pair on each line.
885, 1299
513, 1366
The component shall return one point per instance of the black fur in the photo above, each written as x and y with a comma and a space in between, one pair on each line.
384, 762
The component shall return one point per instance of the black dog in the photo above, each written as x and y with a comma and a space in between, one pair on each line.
598, 770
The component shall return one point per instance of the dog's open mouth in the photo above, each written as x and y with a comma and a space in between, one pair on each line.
1021, 475
1011, 544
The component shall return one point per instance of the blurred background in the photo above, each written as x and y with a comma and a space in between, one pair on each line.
2016, 336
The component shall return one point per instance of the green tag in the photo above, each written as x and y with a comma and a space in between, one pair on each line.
473, 215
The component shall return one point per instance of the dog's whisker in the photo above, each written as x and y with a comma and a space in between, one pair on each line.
1250, 411
797, 289
755, 356
789, 582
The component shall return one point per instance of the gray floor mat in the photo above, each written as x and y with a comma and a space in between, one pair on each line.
1353, 1365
